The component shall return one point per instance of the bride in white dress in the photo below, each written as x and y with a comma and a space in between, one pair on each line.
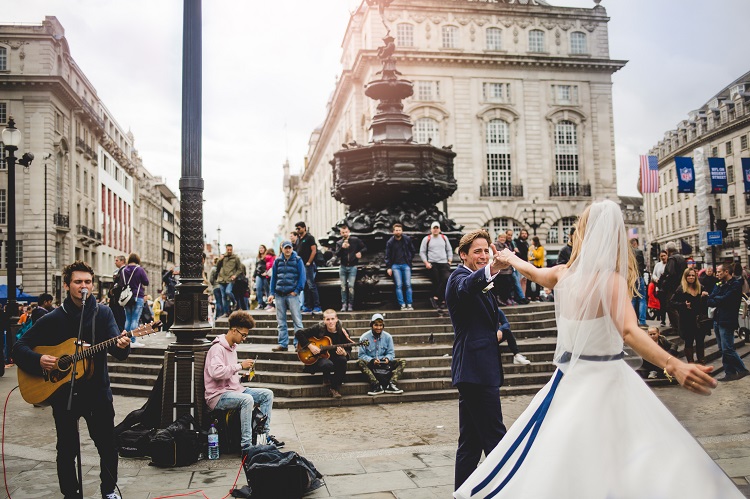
596, 430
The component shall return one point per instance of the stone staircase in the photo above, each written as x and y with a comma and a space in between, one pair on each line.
422, 337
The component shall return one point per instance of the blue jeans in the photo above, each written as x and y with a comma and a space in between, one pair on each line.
282, 304
246, 401
517, 285
639, 304
132, 314
312, 300
261, 290
725, 338
402, 277
227, 298
219, 300
348, 276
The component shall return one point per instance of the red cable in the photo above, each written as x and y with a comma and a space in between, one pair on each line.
5, 408
201, 491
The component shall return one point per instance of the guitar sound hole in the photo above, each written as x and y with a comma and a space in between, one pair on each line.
64, 363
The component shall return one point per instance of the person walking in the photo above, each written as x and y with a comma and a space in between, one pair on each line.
259, 277
117, 283
670, 281
229, 267
136, 278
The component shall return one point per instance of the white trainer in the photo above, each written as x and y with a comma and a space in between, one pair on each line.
520, 359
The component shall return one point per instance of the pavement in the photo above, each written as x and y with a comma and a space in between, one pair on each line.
378, 451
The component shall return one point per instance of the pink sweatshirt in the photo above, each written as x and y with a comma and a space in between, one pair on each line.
220, 374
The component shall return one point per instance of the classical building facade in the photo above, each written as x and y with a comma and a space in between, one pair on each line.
720, 128
90, 192
522, 91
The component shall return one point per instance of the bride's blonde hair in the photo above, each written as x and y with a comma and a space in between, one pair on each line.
630, 274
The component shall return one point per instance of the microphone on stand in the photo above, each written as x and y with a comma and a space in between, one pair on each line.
84, 293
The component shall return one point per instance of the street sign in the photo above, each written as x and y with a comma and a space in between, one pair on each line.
715, 238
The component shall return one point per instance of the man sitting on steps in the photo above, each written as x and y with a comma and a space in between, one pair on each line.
378, 355
334, 367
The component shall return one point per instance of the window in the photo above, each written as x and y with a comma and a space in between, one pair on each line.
728, 145
687, 216
563, 227
494, 39
536, 40
426, 130
78, 176
428, 90
3, 207
450, 37
743, 142
566, 155
498, 158
695, 208
3, 112
405, 35
496, 92
714, 152
732, 206
730, 174
19, 254
85, 182
93, 187
497, 225
58, 122
674, 227
3, 59
578, 43
565, 94
3, 165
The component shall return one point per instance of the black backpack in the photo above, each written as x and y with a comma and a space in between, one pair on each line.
177, 444
135, 442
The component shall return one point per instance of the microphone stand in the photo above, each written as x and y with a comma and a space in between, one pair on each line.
84, 295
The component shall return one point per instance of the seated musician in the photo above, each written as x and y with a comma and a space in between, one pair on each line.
333, 368
221, 380
377, 358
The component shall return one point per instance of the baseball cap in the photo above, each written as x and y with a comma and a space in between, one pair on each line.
435, 224
376, 317
287, 243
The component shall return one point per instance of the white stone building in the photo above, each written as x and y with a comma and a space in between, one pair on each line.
719, 128
522, 90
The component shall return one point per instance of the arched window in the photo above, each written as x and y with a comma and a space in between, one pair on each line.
578, 43
3, 59
496, 225
450, 37
498, 158
404, 35
494, 39
536, 40
559, 232
427, 130
566, 158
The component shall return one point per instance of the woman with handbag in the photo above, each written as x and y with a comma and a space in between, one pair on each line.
136, 279
690, 305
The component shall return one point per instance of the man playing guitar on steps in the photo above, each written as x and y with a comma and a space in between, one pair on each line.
92, 398
333, 368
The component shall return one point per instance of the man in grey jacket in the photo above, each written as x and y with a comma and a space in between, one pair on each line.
229, 267
437, 254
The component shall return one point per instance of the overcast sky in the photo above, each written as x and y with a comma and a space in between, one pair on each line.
269, 68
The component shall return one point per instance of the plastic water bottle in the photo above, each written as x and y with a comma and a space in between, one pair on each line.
213, 443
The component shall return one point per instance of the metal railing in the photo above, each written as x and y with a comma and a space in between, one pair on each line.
61, 220
570, 190
500, 190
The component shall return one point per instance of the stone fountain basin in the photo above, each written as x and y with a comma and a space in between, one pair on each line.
389, 89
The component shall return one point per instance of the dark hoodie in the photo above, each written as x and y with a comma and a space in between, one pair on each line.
62, 324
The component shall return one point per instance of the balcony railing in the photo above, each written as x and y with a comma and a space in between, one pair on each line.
570, 190
88, 236
61, 221
500, 190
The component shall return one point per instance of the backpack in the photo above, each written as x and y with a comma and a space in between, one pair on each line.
126, 295
427, 249
271, 473
177, 444
135, 441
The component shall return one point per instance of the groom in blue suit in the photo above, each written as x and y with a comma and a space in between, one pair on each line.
476, 367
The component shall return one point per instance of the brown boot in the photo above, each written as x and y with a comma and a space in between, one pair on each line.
689, 355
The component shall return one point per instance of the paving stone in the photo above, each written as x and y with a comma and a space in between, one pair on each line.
391, 463
432, 477
340, 467
372, 482
440, 492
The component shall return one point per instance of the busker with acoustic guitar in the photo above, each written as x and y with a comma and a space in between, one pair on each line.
92, 398
334, 367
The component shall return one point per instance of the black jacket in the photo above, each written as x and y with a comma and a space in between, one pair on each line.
347, 256
564, 256
523, 248
398, 251
62, 324
726, 297
672, 277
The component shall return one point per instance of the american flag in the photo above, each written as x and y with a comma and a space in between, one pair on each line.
649, 174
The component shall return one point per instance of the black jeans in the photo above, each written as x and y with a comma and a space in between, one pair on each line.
480, 426
439, 274
333, 369
100, 420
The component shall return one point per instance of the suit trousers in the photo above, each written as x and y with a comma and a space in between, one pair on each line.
480, 426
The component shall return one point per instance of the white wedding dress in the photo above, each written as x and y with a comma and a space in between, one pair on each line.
596, 430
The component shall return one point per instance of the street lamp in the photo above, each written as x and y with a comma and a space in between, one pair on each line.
534, 224
12, 139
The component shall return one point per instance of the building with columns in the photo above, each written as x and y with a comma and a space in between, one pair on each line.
90, 193
721, 129
522, 90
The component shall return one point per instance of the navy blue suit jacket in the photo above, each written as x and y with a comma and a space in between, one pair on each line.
475, 320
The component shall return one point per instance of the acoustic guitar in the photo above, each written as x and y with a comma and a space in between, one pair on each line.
38, 389
324, 343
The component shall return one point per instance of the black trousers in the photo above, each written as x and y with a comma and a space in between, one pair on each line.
100, 420
511, 339
480, 426
333, 369
439, 274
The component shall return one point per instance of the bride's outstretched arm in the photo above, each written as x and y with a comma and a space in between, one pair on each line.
693, 377
547, 277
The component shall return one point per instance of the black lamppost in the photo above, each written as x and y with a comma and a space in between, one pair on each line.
534, 224
46, 256
12, 139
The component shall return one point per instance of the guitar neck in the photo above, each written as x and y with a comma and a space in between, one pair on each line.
334, 347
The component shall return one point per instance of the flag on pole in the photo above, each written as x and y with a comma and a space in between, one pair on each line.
649, 174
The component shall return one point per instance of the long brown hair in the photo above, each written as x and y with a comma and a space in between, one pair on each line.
695, 288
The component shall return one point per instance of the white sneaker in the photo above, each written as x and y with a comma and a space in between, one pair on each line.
520, 359
652, 375
137, 344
